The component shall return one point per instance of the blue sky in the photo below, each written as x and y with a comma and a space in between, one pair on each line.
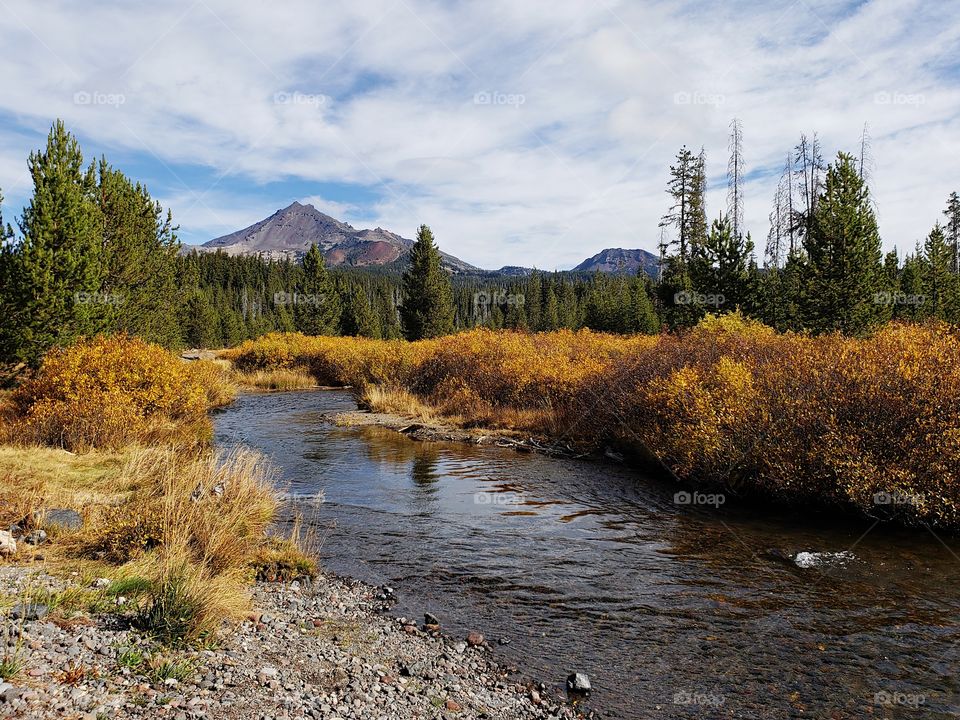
533, 133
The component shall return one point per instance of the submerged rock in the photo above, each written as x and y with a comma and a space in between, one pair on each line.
430, 619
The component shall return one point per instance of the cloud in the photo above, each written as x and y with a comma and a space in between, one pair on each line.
527, 133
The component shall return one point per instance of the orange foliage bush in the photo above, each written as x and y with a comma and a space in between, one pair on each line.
108, 391
868, 423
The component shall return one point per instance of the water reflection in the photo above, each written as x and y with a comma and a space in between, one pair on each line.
592, 567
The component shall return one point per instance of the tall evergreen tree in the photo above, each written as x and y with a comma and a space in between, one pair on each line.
941, 287
952, 214
358, 318
139, 249
316, 304
721, 264
56, 271
843, 255
427, 309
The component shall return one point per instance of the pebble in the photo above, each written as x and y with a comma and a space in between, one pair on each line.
320, 650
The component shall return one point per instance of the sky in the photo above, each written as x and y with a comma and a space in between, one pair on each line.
531, 133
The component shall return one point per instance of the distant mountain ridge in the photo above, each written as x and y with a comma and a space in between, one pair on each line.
290, 232
620, 260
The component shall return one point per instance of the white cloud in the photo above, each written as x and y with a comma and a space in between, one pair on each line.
586, 104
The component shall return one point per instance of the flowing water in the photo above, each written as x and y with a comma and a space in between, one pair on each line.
673, 610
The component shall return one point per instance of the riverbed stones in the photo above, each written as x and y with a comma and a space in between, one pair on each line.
430, 619
474, 639
291, 669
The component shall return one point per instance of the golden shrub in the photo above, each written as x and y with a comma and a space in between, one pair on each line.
109, 391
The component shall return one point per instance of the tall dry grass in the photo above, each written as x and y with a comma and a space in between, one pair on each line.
187, 529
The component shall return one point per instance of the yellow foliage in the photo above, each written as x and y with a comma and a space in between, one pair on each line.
108, 391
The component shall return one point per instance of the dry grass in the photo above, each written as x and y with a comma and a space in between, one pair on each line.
397, 401
275, 380
185, 532
36, 478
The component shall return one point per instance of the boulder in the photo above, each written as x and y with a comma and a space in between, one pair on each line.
63, 518
29, 611
37, 537
8, 546
578, 683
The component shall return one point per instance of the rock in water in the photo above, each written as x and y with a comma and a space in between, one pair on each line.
430, 619
8, 546
474, 639
578, 684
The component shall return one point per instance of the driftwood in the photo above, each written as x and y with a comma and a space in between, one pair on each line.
556, 449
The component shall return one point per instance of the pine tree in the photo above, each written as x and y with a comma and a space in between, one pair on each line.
735, 170
687, 214
427, 309
843, 255
941, 291
952, 214
551, 311
316, 304
7, 288
139, 253
358, 319
56, 271
720, 267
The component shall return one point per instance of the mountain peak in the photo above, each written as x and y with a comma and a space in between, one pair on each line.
621, 260
290, 232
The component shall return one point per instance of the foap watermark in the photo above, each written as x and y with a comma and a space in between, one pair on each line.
97, 298
297, 298
686, 297
898, 298
898, 98
95, 97
486, 97
295, 97
892, 698
497, 498
485, 299
698, 98
698, 498
692, 697
897, 497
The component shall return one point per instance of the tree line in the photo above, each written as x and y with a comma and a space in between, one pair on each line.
93, 252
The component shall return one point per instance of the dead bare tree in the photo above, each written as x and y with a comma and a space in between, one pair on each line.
735, 178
